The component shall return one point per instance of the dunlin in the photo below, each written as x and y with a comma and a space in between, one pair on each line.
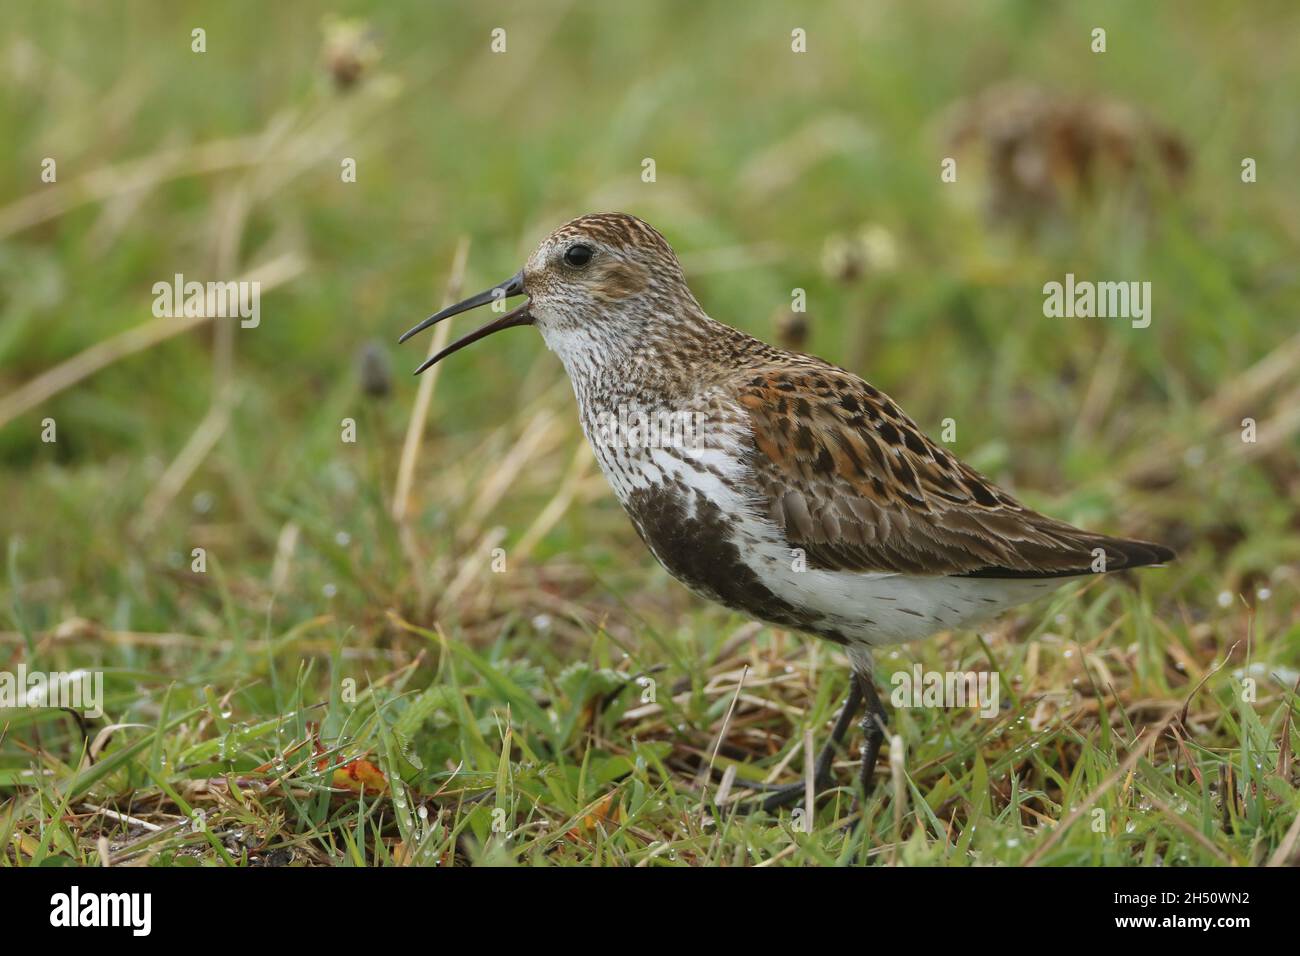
793, 490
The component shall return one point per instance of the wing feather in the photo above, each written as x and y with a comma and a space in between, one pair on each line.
859, 487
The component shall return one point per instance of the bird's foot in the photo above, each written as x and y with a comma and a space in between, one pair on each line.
773, 796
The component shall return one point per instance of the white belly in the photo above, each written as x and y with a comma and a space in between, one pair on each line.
881, 608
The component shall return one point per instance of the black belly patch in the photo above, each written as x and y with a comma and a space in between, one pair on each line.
695, 547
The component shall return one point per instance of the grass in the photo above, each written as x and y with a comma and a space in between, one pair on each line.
338, 686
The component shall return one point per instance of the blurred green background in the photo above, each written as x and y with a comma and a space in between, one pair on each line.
775, 170
211, 164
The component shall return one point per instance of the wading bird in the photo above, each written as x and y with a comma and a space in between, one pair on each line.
807, 499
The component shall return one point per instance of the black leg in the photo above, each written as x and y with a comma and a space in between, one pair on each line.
874, 722
784, 795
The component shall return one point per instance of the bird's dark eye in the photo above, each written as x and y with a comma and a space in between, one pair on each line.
577, 255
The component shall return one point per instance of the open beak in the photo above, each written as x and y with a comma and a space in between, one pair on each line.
506, 290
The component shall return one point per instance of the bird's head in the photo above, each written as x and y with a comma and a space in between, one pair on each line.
596, 287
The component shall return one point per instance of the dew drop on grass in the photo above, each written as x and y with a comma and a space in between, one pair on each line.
343, 539
1225, 599
329, 590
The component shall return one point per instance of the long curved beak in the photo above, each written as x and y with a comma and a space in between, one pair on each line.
506, 290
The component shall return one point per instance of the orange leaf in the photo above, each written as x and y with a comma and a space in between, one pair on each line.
599, 814
360, 775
